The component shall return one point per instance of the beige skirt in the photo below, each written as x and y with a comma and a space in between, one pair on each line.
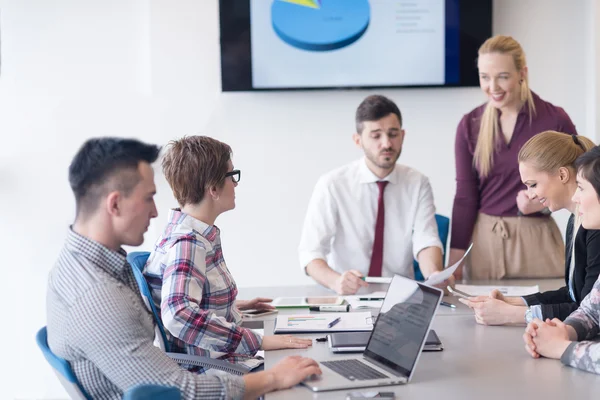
515, 247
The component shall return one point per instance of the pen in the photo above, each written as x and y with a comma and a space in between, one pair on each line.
447, 304
335, 321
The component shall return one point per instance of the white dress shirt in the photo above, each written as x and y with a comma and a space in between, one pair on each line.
340, 222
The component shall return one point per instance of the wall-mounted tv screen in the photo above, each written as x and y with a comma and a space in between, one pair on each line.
324, 44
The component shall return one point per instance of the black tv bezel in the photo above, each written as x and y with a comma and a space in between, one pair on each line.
236, 60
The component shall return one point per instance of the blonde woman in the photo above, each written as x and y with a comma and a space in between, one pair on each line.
573, 342
546, 164
513, 235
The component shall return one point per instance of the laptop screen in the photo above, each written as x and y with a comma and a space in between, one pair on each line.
403, 323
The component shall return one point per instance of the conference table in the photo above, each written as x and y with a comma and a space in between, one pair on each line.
478, 362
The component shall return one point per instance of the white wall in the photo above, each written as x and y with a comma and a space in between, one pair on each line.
150, 69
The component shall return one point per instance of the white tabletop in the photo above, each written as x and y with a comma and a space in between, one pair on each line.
478, 362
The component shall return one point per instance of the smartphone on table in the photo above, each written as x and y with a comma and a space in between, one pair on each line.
370, 395
257, 313
458, 293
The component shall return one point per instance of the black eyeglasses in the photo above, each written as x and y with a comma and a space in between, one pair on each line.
235, 175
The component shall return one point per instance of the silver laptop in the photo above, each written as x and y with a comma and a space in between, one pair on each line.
395, 344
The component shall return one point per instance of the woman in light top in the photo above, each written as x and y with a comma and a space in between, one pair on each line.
511, 235
546, 165
571, 341
190, 281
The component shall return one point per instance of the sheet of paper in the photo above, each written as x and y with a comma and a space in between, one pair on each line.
317, 322
445, 274
476, 290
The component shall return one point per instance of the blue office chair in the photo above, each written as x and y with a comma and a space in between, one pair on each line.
61, 368
443, 224
158, 392
67, 378
138, 260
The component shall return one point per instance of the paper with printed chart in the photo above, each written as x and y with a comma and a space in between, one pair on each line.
318, 322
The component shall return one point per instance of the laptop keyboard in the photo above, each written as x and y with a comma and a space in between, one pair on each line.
353, 370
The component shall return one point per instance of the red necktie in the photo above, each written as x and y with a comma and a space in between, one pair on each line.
377, 255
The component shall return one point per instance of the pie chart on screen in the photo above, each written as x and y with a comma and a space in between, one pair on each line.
320, 25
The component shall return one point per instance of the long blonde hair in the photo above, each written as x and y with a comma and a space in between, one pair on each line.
488, 131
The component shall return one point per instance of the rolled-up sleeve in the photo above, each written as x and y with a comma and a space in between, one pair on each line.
425, 230
319, 225
466, 199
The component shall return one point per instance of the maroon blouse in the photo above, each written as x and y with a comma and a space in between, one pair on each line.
495, 194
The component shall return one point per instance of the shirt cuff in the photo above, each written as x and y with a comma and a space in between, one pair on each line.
536, 312
234, 386
579, 327
567, 356
251, 342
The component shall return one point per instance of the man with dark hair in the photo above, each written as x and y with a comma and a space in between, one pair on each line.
97, 319
344, 238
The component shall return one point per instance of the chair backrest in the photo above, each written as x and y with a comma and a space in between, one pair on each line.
61, 368
443, 224
145, 392
138, 259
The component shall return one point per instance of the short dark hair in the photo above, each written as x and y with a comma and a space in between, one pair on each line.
374, 108
193, 164
100, 159
588, 164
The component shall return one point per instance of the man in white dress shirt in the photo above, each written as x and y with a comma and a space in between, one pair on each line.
372, 216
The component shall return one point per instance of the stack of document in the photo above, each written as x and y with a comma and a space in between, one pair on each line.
322, 322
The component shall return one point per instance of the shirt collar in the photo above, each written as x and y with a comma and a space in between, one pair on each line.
177, 217
114, 262
365, 175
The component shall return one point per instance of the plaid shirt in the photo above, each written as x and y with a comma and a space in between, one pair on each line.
196, 294
98, 322
585, 354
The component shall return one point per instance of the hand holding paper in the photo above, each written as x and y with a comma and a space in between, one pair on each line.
447, 272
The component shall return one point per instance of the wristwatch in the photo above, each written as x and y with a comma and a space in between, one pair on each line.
528, 315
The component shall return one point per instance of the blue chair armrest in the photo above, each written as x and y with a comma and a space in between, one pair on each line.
148, 392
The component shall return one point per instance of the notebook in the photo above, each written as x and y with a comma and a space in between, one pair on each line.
356, 342
395, 343
319, 322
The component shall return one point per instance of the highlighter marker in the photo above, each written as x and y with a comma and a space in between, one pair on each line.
341, 308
